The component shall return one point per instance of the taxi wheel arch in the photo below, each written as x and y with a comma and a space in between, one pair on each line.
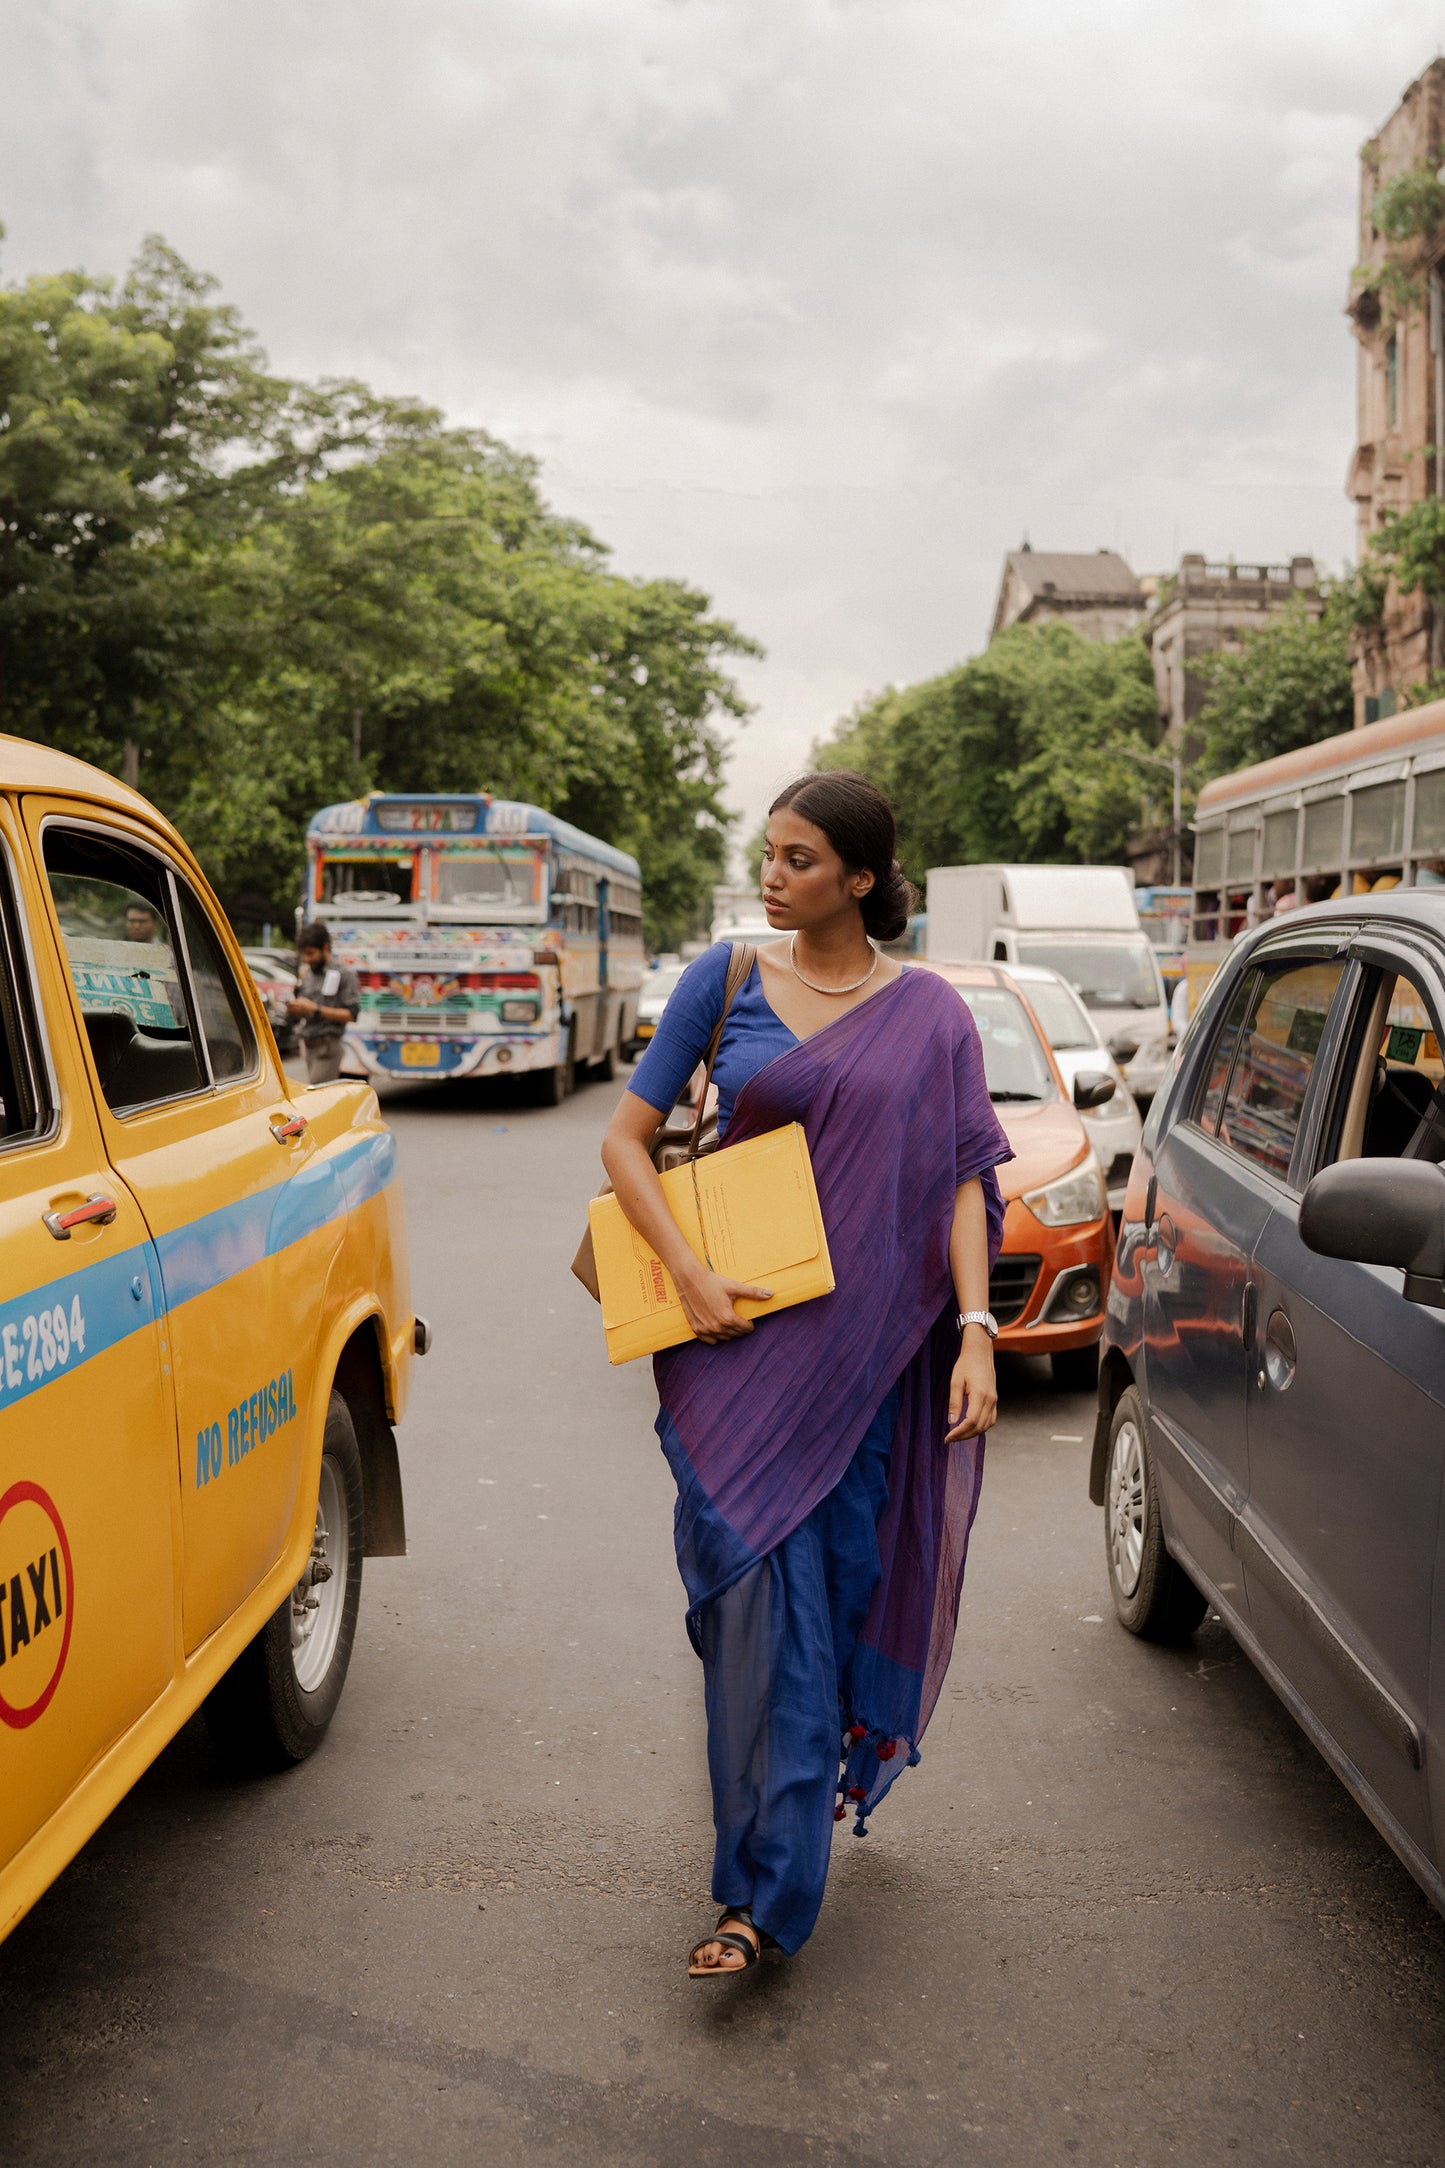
362, 1385
259, 1714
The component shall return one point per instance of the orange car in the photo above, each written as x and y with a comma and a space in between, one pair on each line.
1048, 1287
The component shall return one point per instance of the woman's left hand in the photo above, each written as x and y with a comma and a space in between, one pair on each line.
972, 1386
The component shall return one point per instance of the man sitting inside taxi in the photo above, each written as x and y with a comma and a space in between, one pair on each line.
327, 999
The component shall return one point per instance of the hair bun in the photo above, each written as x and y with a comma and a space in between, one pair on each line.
889, 905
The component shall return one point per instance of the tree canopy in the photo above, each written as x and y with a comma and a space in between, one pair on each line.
257, 596
1039, 749
1287, 684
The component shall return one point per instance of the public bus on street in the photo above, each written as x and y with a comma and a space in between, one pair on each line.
489, 937
1349, 815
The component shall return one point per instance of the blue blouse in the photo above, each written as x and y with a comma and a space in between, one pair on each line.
753, 1036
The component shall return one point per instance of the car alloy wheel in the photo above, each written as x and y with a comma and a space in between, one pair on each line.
1127, 1506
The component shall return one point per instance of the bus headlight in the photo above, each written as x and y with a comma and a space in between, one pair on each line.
1075, 1198
518, 1012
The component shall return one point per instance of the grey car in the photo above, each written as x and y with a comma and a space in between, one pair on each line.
1271, 1430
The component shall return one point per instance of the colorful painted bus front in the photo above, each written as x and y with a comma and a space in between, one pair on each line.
489, 937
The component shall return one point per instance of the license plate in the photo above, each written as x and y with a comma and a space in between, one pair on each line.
420, 1054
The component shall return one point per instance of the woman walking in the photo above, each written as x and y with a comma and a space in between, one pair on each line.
827, 1461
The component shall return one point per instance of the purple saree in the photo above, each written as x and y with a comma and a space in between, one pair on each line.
759, 1431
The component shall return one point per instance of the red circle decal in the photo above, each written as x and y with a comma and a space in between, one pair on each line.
20, 1494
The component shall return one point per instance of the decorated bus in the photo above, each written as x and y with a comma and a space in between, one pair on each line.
1347, 815
489, 937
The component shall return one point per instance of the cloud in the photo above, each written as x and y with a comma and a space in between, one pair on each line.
819, 303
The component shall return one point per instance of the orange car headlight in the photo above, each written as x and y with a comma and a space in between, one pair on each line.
1074, 1199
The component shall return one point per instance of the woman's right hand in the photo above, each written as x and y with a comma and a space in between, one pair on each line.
707, 1304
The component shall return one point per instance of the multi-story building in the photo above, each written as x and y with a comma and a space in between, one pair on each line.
1395, 305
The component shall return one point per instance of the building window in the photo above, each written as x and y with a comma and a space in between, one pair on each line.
1392, 382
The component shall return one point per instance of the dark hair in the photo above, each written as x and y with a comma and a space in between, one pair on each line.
858, 821
313, 936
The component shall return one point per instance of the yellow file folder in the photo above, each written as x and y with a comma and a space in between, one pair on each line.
751, 1212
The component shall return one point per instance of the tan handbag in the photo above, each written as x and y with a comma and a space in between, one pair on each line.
673, 1147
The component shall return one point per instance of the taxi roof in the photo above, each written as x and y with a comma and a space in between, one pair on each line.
24, 765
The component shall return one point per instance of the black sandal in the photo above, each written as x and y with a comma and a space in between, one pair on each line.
749, 1951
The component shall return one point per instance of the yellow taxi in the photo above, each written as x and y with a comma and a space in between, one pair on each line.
205, 1329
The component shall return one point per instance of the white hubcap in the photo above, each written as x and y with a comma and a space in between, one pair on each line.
319, 1597
1126, 1508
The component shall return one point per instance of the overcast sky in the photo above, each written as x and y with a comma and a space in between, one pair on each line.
819, 304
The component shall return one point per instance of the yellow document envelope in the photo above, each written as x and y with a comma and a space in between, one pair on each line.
751, 1211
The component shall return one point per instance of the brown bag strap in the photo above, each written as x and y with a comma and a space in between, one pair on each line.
740, 964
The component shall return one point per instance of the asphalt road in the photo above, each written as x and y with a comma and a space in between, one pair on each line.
1121, 1914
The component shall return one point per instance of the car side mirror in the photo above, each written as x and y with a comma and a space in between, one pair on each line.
1123, 1048
1382, 1212
1092, 1088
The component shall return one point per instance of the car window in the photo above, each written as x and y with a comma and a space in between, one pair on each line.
1226, 1045
230, 1041
1393, 1100
1118, 974
1273, 1059
25, 1109
1014, 1063
1065, 1025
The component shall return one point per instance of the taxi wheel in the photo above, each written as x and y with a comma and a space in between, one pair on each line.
274, 1704
1153, 1595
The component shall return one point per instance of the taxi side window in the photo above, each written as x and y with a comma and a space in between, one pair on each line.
230, 1041
24, 1097
1273, 1057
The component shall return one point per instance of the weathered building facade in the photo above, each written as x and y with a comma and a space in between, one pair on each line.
1395, 307
1094, 591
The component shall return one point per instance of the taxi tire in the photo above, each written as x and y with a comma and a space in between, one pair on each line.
258, 1714
1164, 1604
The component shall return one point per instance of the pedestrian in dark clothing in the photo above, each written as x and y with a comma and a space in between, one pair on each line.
327, 999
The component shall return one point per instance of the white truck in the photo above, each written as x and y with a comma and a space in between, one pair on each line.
1078, 920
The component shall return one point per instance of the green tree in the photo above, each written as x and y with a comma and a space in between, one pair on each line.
1286, 685
262, 596
1025, 753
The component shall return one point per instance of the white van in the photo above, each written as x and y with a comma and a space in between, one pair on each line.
1077, 920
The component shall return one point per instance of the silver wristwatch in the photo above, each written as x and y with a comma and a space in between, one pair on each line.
985, 1318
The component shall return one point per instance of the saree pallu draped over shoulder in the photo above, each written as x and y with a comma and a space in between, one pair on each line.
758, 1430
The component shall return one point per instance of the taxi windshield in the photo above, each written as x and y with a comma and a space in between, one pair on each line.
1014, 1063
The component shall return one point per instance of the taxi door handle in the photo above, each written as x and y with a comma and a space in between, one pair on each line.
287, 1132
96, 1211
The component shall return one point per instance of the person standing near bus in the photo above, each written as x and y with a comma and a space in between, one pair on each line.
327, 999
828, 1459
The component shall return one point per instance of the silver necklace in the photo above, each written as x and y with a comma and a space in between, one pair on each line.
813, 985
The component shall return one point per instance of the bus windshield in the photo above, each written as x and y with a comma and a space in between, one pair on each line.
1104, 974
1014, 1064
489, 885
372, 882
